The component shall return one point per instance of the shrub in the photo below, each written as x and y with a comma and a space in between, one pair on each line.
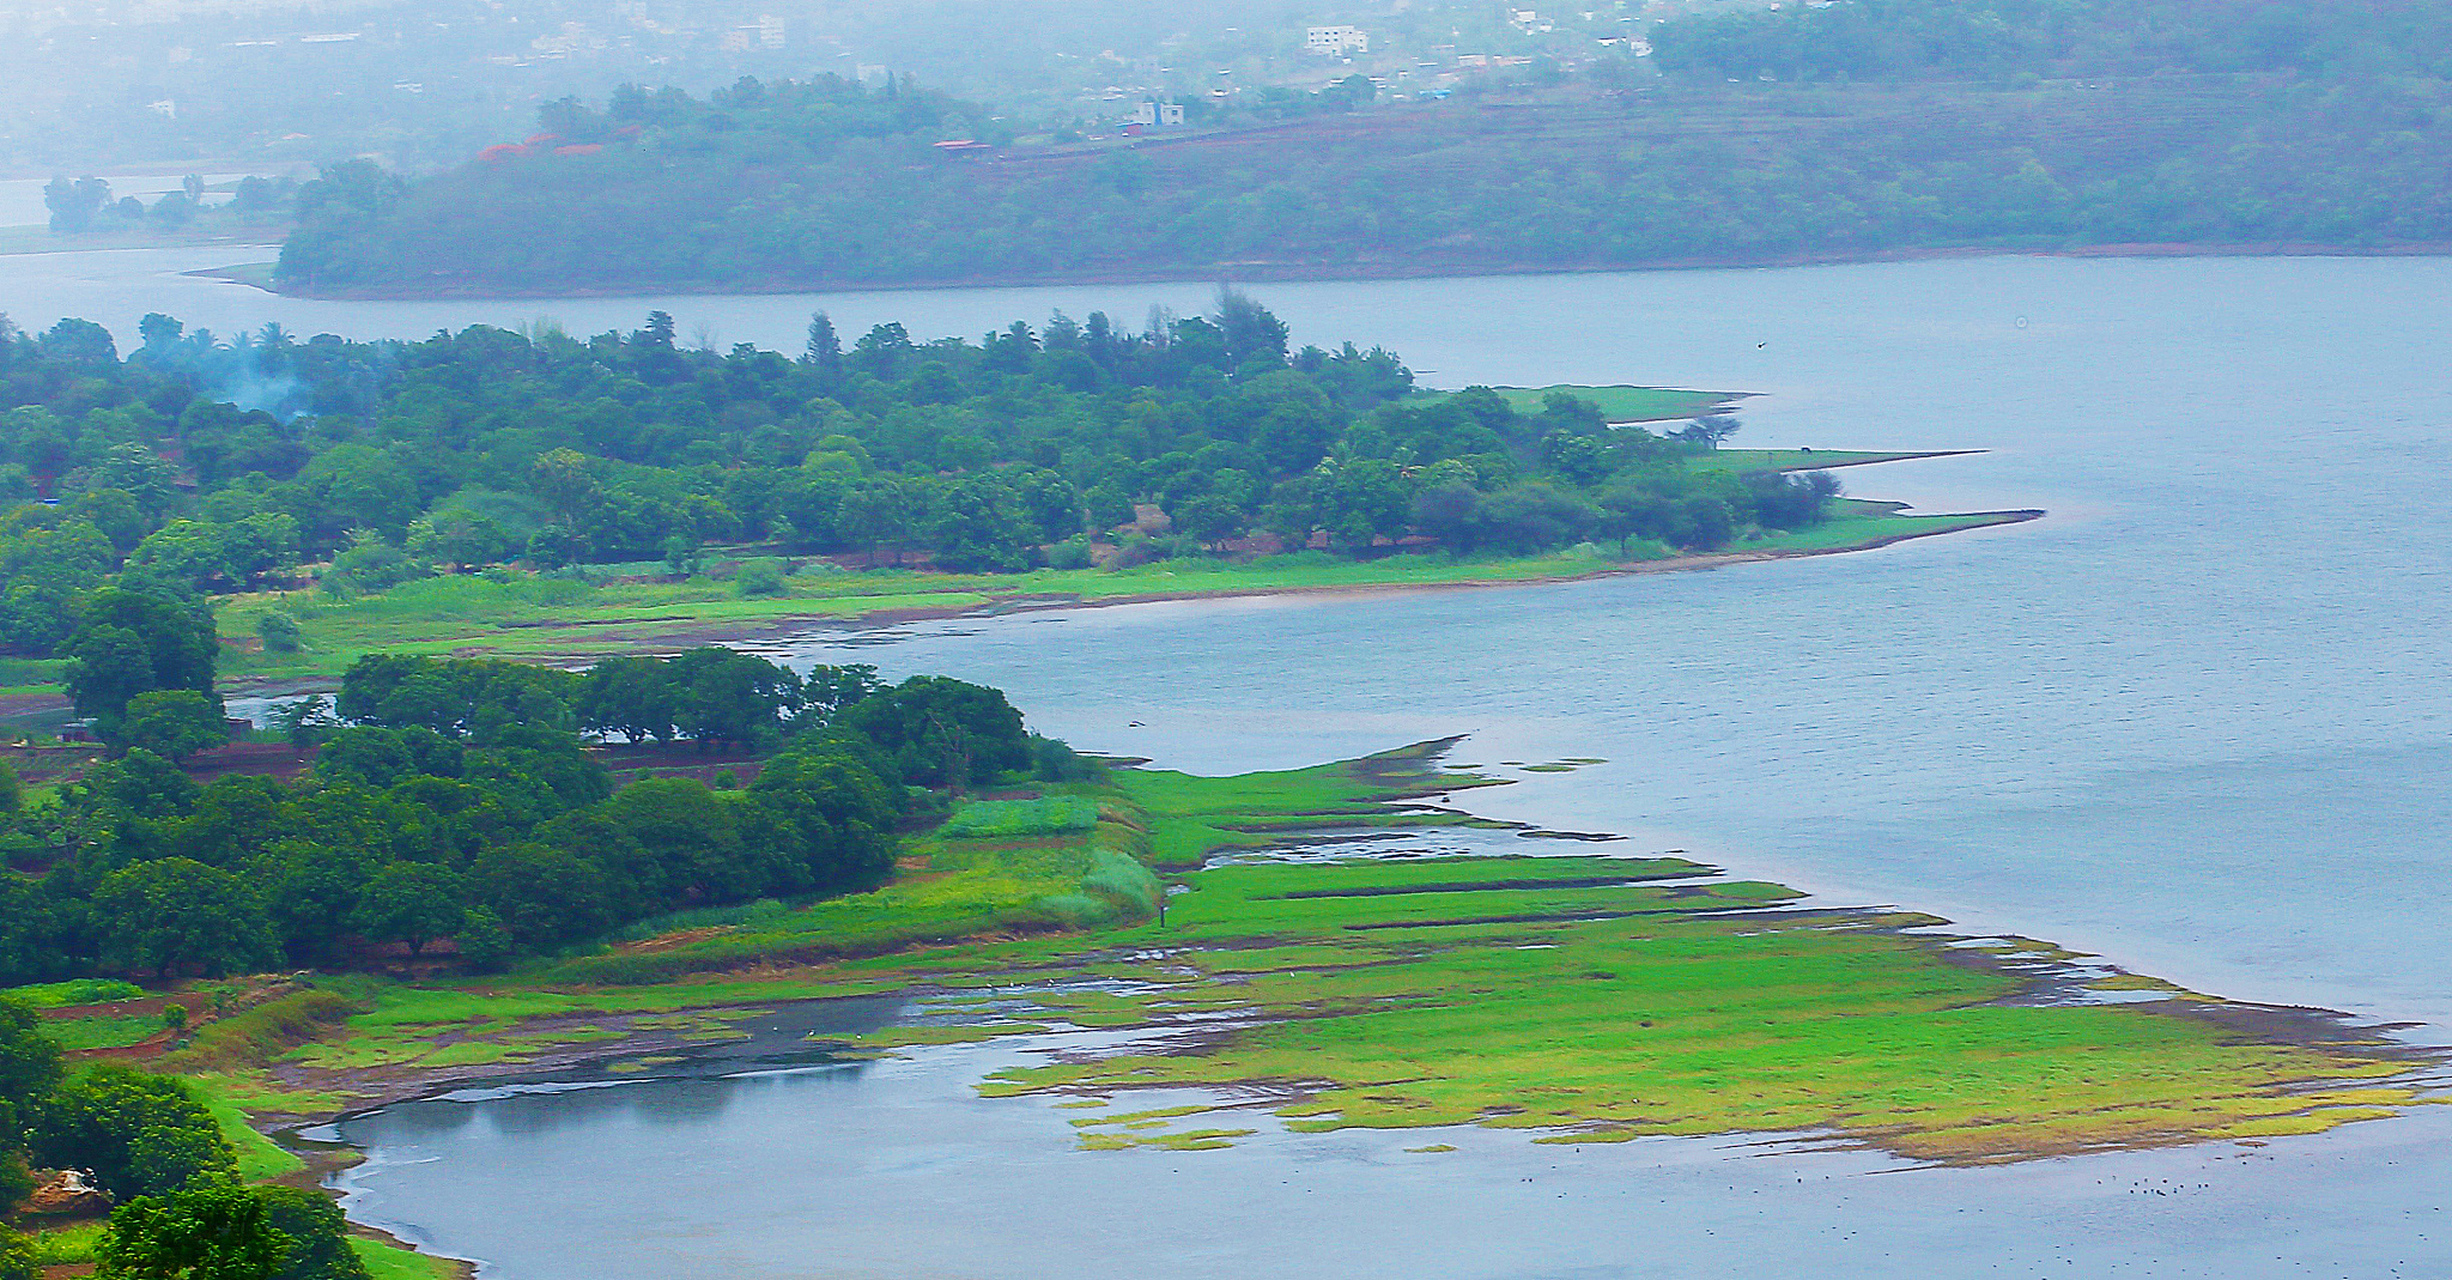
140, 1134
1052, 760
174, 723
760, 578
484, 944
371, 565
1136, 550
279, 631
1133, 889
17, 1257
1078, 910
318, 1235
1072, 553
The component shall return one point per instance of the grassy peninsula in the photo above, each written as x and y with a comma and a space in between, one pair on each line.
1578, 997
566, 620
534, 494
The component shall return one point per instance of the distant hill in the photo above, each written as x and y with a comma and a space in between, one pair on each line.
1864, 128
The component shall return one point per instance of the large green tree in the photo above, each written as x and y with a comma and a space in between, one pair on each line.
127, 644
214, 1230
29, 1071
170, 915
139, 1134
318, 1234
412, 903
174, 723
943, 732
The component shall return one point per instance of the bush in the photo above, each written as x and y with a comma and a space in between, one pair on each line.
1137, 549
17, 1257
318, 1235
760, 578
1052, 760
1119, 879
1079, 910
1072, 553
174, 723
484, 944
372, 565
279, 631
140, 1134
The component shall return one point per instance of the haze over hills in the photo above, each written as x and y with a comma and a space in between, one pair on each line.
426, 83
1847, 130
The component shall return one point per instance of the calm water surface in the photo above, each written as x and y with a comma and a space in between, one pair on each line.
2197, 720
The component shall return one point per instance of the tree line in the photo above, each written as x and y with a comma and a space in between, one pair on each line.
199, 465
455, 798
1852, 128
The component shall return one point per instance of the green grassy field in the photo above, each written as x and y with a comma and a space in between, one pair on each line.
75, 1247
75, 991
1582, 997
561, 619
1586, 998
102, 1031
1794, 459
386, 1261
1618, 404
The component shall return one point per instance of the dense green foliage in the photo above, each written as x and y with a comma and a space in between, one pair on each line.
2030, 123
215, 1230
152, 1144
460, 453
138, 1134
461, 803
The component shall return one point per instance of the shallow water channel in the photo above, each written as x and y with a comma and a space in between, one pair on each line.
2197, 721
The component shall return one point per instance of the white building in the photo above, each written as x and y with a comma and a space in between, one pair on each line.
1335, 42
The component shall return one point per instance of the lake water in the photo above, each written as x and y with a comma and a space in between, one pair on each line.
2196, 720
